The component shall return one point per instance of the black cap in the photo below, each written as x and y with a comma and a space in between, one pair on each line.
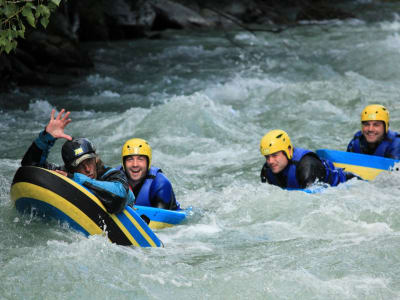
76, 151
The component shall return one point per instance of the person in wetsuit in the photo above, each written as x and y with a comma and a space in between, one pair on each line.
375, 137
149, 185
82, 164
296, 168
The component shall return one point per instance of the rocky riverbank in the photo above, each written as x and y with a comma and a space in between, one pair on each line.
54, 56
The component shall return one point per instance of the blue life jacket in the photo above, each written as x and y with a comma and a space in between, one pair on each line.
389, 147
333, 175
156, 188
146, 192
111, 188
289, 171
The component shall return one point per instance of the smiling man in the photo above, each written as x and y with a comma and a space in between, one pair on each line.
375, 138
148, 183
289, 167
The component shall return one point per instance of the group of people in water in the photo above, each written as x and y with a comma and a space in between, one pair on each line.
136, 181
297, 168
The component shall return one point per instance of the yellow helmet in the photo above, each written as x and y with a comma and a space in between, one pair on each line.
274, 141
136, 147
376, 112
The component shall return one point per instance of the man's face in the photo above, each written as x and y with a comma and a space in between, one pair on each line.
277, 161
136, 167
373, 131
88, 168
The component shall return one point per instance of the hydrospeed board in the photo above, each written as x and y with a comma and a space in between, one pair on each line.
160, 218
363, 165
51, 195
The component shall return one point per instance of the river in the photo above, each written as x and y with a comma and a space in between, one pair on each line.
203, 101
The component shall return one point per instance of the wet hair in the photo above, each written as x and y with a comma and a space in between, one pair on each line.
99, 166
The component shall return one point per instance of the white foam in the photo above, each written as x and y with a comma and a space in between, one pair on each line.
109, 94
41, 107
99, 80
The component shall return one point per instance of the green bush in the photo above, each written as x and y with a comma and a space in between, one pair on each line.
15, 14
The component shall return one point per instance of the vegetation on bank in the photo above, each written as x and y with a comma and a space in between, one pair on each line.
32, 55
15, 14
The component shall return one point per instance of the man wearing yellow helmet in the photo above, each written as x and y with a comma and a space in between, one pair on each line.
375, 137
289, 167
148, 183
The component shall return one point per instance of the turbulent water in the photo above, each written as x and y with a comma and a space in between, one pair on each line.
203, 101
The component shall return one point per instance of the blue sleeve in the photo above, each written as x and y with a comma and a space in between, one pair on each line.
131, 198
394, 149
162, 192
39, 150
355, 144
350, 146
113, 187
113, 191
334, 175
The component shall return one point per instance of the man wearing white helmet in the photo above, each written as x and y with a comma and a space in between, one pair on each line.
295, 168
82, 164
149, 185
375, 137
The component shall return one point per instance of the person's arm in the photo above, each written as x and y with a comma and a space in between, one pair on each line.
350, 146
355, 143
263, 173
40, 148
162, 195
394, 149
112, 189
354, 140
309, 169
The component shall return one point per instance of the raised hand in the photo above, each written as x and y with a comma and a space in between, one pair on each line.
56, 125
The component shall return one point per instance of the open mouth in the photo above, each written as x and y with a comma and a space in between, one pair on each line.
371, 135
135, 173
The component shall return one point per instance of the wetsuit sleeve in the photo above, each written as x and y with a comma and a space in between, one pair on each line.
308, 170
112, 189
311, 168
263, 173
162, 195
350, 146
37, 153
394, 149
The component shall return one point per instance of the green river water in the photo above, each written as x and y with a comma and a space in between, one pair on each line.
204, 101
